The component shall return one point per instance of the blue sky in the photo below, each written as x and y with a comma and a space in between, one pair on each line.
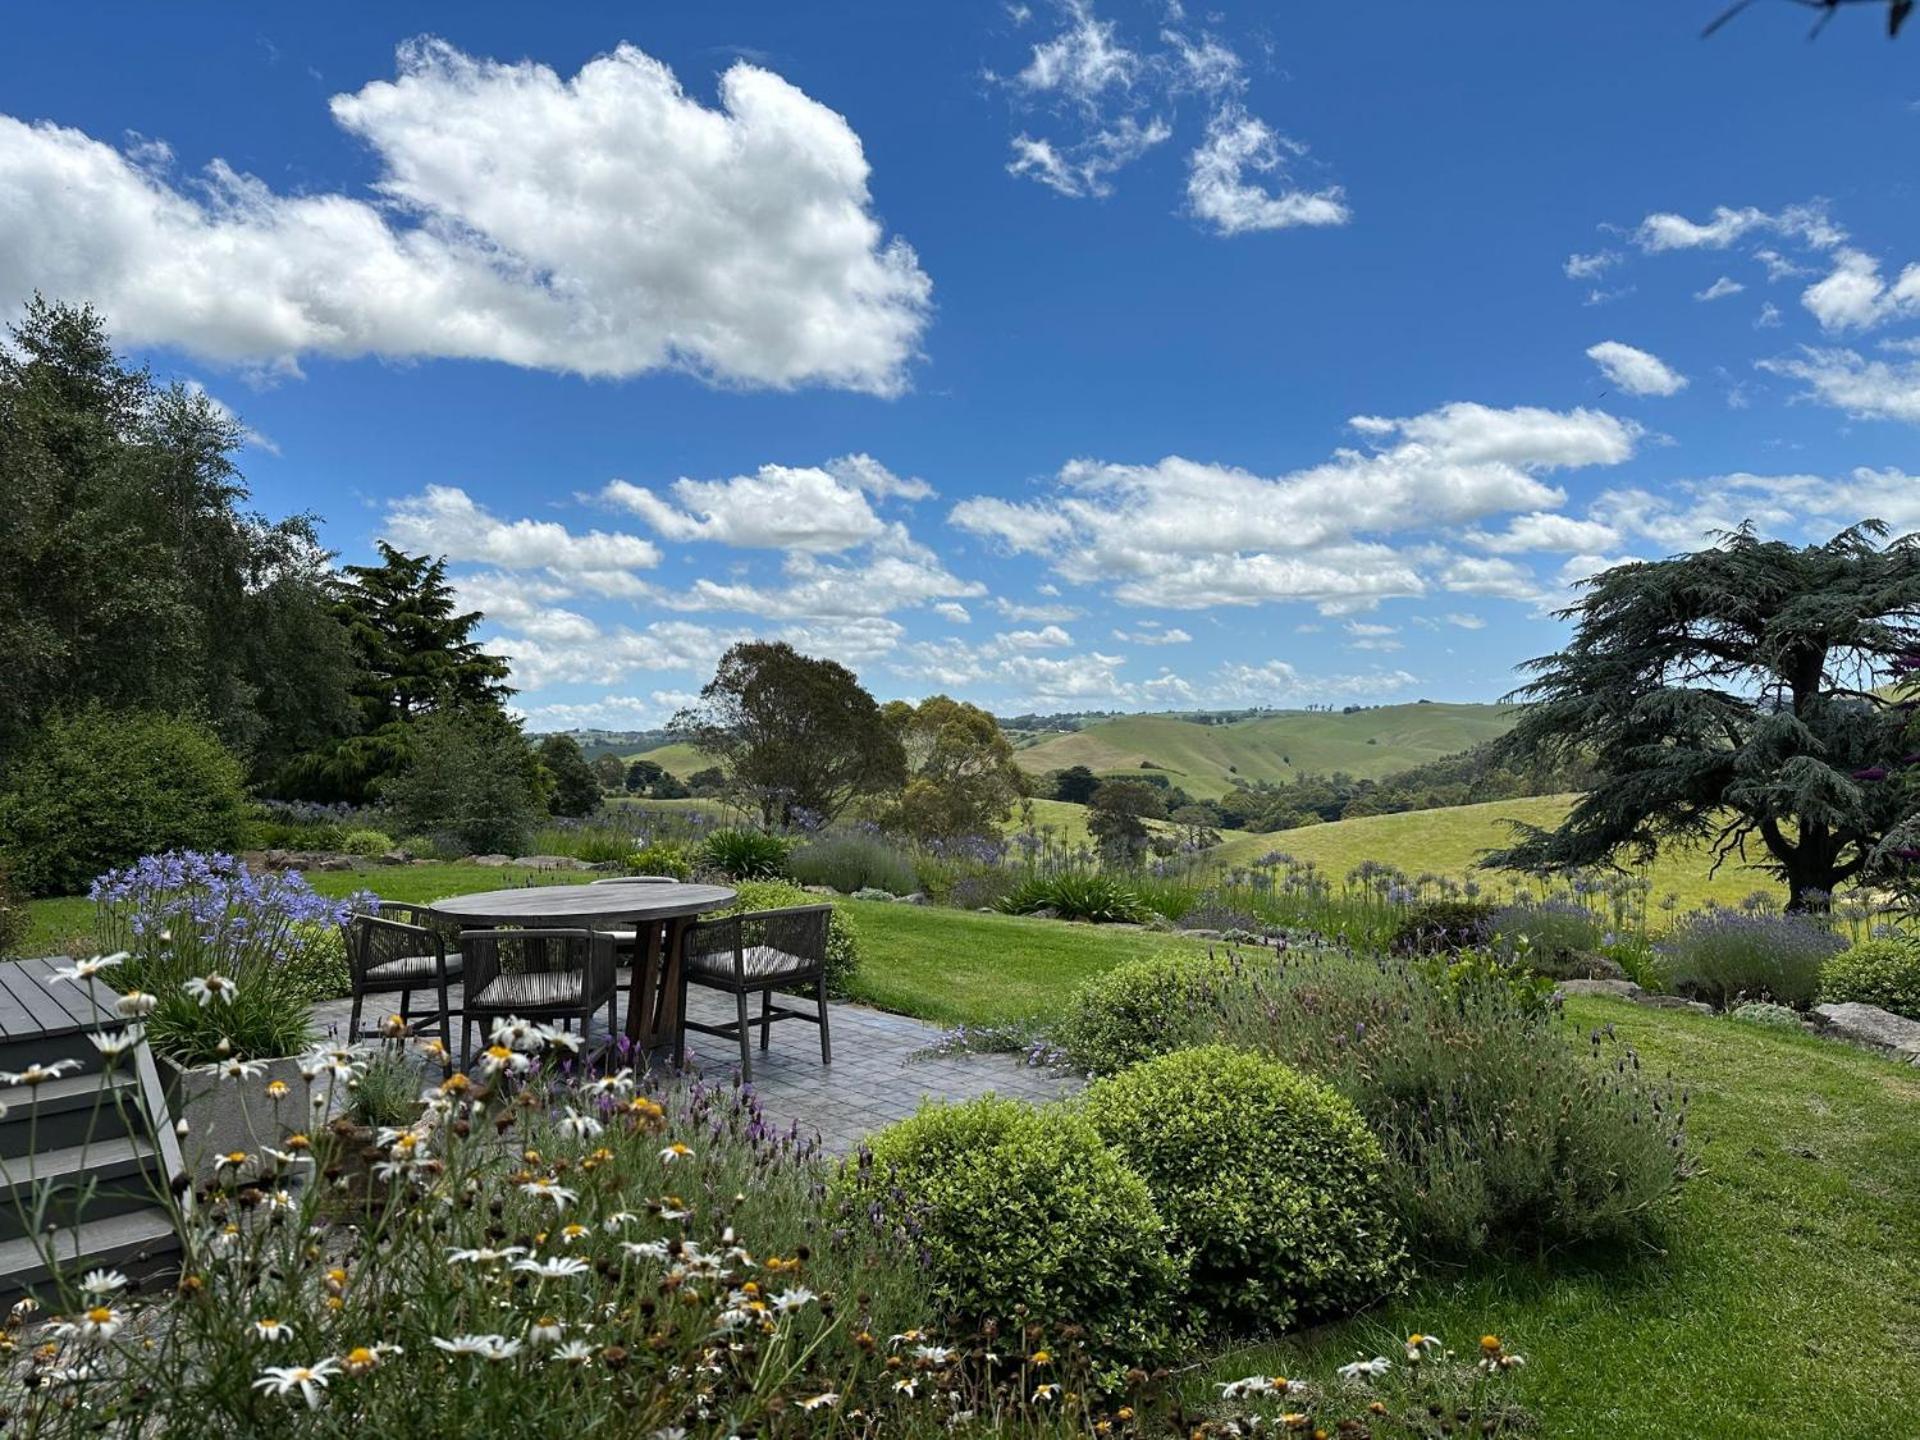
1060, 356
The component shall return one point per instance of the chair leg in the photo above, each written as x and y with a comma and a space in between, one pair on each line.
446, 1017
466, 1041
353, 1020
406, 1004
766, 1017
746, 1036
826, 1044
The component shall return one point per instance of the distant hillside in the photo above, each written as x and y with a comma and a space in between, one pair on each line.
678, 759
1206, 760
1449, 842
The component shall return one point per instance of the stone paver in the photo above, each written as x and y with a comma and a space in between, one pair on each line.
873, 1081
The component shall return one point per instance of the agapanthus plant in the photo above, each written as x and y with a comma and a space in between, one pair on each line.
233, 959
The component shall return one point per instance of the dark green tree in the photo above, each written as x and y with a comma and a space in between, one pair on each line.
131, 573
643, 775
1117, 818
471, 779
1729, 697
1076, 784
414, 655
573, 789
795, 734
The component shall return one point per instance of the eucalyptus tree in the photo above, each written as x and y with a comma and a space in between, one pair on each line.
1735, 697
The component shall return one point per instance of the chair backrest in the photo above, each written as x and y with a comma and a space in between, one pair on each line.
488, 954
375, 940
763, 944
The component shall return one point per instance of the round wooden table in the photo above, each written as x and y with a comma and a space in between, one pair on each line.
658, 912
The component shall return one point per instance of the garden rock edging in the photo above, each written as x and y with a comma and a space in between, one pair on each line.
1873, 1028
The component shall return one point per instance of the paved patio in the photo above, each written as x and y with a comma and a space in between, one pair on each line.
873, 1081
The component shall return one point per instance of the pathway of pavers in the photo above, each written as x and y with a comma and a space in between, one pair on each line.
874, 1080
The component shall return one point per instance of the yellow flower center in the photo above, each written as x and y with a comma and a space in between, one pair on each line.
100, 1315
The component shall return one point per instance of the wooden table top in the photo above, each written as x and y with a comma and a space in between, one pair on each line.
561, 905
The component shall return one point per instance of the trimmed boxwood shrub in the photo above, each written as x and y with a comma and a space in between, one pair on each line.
102, 788
1878, 972
366, 842
1141, 1009
1271, 1183
843, 941
1024, 1216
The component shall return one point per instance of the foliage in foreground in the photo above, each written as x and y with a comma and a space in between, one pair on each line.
547, 1252
1271, 1185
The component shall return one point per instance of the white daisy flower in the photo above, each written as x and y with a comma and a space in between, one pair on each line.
675, 1151
487, 1347
136, 1005
205, 989
101, 1283
38, 1074
788, 1301
1370, 1369
84, 970
485, 1256
545, 1331
113, 1043
574, 1352
547, 1189
562, 1267
822, 1401
308, 1380
580, 1127
273, 1330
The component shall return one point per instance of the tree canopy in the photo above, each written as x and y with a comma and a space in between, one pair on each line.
795, 734
413, 655
131, 573
961, 775
1730, 697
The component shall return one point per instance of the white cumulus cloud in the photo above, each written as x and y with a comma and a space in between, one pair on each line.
1636, 371
608, 224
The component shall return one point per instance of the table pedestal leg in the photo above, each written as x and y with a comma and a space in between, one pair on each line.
644, 990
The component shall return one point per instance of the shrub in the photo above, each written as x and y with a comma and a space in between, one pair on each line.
595, 844
1879, 972
1141, 1009
1272, 1188
1762, 1012
848, 861
1499, 1124
101, 789
1024, 1215
472, 780
365, 842
1718, 955
185, 917
1552, 937
1090, 895
843, 941
741, 854
662, 857
1436, 927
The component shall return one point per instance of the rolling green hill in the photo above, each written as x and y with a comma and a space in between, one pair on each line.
1206, 760
678, 759
1448, 842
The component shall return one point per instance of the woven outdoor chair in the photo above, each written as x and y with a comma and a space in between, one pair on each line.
401, 950
758, 952
536, 974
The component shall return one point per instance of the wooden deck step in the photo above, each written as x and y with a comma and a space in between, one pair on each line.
67, 1112
139, 1242
108, 1176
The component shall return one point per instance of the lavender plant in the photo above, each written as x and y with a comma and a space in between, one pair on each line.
1721, 955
